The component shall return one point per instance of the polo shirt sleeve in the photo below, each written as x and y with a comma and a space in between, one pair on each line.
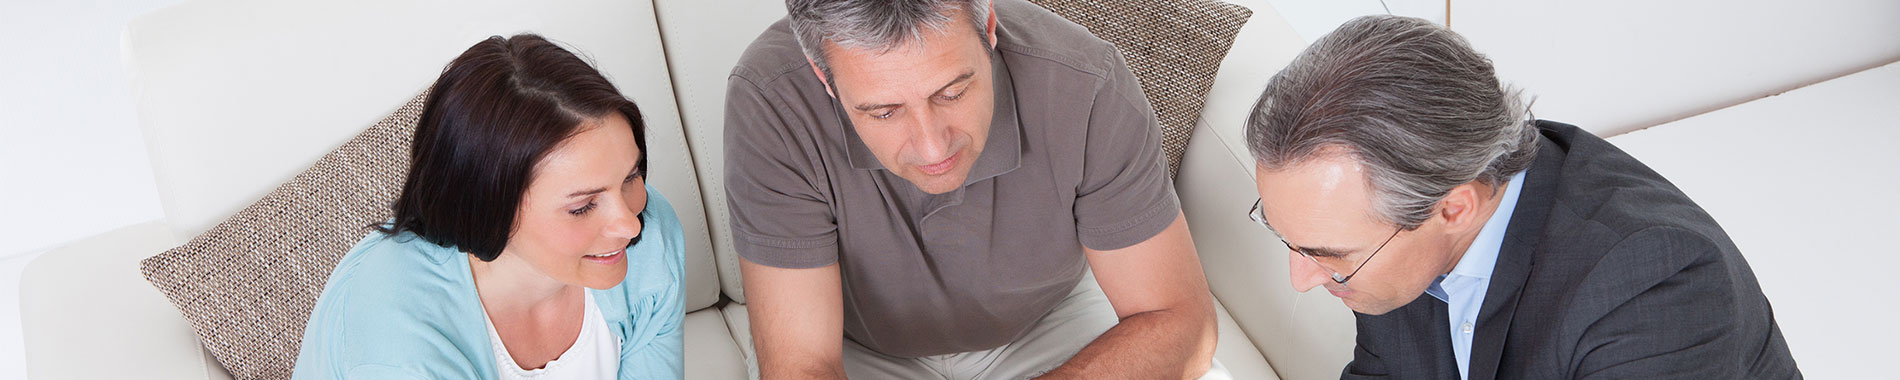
1125, 196
779, 215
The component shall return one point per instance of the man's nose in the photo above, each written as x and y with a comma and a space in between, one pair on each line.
1304, 273
933, 135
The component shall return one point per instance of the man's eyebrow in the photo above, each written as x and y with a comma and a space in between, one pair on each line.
1310, 251
1324, 251
868, 107
960, 79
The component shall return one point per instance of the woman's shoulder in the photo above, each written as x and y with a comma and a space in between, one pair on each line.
655, 264
657, 261
646, 309
396, 261
394, 299
389, 277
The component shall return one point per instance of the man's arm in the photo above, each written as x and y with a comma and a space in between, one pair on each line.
797, 318
1167, 316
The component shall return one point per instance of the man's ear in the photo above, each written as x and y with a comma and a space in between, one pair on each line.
991, 28
821, 77
1460, 207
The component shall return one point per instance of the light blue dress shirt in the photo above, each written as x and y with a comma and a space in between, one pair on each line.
1463, 289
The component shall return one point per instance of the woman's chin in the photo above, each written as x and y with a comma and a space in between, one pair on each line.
606, 278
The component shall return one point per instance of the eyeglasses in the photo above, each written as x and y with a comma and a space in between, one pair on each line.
1260, 217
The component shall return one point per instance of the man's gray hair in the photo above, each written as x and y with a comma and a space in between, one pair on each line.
883, 25
1409, 100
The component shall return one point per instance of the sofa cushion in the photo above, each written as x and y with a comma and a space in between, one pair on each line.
247, 285
711, 351
1173, 46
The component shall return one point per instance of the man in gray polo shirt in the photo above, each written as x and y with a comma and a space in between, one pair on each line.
919, 189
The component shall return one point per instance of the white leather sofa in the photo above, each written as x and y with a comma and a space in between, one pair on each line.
236, 96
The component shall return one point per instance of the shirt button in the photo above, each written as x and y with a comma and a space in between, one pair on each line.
1466, 327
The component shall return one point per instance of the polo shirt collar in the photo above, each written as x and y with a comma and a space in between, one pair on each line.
1002, 152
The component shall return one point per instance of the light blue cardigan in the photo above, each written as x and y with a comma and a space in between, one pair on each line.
399, 307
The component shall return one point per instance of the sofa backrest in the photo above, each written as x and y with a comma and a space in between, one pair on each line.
701, 59
235, 96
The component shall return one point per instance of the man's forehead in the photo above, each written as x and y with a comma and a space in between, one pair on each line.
1316, 198
896, 76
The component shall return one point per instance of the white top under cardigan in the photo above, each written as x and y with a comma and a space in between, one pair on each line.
595, 354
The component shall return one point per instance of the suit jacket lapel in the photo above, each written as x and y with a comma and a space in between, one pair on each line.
1515, 264
1420, 345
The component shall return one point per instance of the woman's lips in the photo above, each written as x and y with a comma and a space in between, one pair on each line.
940, 167
608, 258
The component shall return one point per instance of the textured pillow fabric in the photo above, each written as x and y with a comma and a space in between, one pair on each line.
248, 284
1173, 46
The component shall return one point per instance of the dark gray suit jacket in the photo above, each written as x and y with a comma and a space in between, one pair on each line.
1607, 271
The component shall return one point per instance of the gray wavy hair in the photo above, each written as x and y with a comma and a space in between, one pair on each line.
1411, 101
883, 25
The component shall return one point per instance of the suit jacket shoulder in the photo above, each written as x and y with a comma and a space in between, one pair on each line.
1607, 271
1628, 277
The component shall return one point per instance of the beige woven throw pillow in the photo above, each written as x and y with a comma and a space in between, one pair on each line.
1173, 46
248, 284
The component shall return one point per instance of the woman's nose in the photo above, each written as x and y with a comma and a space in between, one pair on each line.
626, 222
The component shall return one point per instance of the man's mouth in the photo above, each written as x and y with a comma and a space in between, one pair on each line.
940, 167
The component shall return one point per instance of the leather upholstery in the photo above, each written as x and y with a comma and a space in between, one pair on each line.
700, 58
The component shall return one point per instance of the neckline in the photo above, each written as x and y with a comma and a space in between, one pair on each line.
591, 320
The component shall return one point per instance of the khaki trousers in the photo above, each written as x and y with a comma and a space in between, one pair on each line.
1081, 317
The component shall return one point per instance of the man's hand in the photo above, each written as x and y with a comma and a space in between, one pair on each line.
1167, 327
797, 318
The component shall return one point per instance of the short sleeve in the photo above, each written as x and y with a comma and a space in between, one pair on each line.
1125, 196
779, 216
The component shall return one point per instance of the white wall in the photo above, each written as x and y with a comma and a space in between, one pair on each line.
1803, 183
72, 162
1614, 66
70, 150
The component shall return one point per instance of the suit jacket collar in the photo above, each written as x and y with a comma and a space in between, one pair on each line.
1515, 259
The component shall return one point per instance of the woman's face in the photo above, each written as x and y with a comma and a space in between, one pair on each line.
580, 211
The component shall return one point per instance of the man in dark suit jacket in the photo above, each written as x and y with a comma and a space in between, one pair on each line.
1546, 252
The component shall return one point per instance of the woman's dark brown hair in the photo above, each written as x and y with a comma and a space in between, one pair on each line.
493, 114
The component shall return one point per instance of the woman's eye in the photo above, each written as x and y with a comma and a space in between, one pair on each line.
584, 209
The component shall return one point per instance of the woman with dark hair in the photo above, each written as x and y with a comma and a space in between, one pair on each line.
525, 243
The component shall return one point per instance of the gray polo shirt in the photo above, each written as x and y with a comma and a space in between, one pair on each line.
1073, 160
